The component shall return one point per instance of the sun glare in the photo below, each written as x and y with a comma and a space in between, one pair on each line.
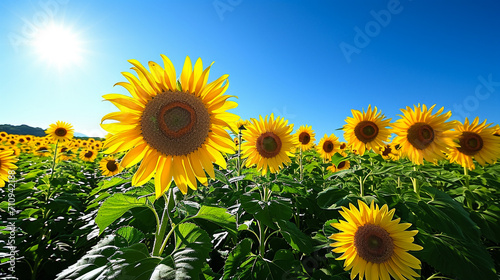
58, 45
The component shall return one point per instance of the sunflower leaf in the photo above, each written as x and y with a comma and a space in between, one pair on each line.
114, 207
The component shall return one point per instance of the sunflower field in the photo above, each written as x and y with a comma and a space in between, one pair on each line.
181, 188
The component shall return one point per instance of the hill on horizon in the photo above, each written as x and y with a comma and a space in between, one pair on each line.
30, 130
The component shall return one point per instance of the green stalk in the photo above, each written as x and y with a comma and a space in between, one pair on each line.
161, 227
238, 163
54, 162
301, 168
416, 186
467, 177
361, 187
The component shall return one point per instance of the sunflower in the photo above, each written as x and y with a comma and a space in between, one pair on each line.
389, 152
343, 165
7, 160
60, 131
268, 143
66, 152
305, 137
42, 150
177, 128
3, 134
423, 135
88, 154
373, 245
343, 145
475, 141
366, 130
328, 146
110, 166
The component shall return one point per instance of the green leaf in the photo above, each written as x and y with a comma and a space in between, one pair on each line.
267, 212
330, 196
296, 238
130, 235
218, 216
114, 207
338, 158
193, 246
456, 257
237, 257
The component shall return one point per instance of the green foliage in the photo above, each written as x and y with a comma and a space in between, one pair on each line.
77, 224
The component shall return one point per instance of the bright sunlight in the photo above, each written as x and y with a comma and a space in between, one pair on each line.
58, 46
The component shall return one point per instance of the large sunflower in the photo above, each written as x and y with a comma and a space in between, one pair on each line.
373, 245
475, 141
60, 131
328, 146
110, 166
177, 128
366, 130
423, 135
305, 137
268, 143
7, 160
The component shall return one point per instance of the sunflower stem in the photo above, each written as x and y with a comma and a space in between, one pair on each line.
301, 168
361, 187
54, 161
467, 177
262, 238
416, 186
161, 227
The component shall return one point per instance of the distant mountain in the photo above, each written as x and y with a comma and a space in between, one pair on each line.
36, 131
78, 134
22, 130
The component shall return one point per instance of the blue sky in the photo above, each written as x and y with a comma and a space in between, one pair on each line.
308, 61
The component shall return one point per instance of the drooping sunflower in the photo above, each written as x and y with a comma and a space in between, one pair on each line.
110, 166
423, 135
305, 137
7, 160
268, 143
88, 155
60, 131
373, 245
366, 130
328, 146
177, 128
476, 141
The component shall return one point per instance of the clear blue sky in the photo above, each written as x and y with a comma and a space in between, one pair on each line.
308, 61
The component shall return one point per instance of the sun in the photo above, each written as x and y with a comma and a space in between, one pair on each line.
58, 45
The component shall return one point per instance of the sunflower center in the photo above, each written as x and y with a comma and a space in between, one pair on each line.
373, 243
61, 131
63, 150
366, 131
387, 151
341, 165
111, 165
328, 146
420, 135
268, 145
175, 123
470, 143
304, 138
88, 154
342, 146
